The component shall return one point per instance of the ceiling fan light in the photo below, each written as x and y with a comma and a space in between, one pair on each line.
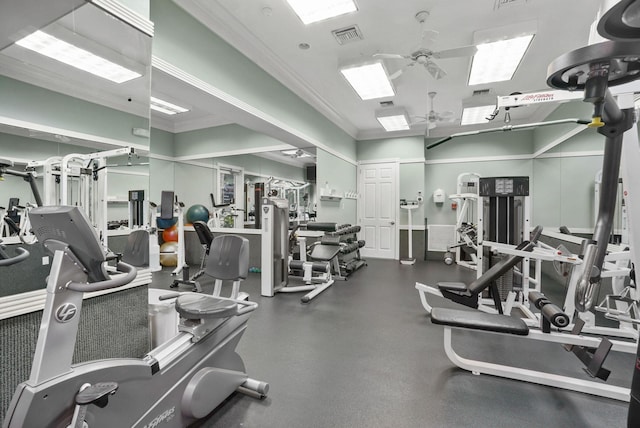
69, 54
475, 115
498, 61
370, 81
310, 11
393, 119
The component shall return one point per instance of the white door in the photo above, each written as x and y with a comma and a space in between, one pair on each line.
377, 209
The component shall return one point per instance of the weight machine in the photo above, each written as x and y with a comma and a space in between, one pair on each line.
467, 215
277, 263
80, 179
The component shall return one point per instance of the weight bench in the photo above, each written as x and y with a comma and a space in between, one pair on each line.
582, 346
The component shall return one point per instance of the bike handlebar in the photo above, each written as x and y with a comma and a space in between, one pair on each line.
119, 281
20, 256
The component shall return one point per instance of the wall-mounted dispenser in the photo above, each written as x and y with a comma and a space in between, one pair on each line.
438, 196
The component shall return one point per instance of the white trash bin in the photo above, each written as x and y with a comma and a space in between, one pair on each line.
163, 318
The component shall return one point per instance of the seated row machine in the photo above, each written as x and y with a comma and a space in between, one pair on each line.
469, 294
175, 384
592, 351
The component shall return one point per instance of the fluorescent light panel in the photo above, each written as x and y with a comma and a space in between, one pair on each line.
74, 56
473, 115
166, 107
394, 120
498, 61
310, 11
370, 81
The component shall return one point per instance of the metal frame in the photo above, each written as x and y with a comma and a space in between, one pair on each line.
544, 378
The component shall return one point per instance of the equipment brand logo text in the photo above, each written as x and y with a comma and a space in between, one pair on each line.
165, 416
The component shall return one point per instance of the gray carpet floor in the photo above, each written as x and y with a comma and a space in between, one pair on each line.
365, 354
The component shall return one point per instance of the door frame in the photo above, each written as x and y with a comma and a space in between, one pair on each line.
396, 209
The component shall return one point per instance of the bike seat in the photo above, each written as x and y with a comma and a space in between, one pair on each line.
199, 306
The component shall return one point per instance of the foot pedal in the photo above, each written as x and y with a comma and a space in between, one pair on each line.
97, 394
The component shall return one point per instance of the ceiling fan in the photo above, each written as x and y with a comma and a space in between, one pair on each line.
433, 117
424, 55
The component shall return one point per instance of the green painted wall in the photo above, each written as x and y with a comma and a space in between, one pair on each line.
563, 193
483, 145
570, 110
391, 148
162, 142
220, 139
219, 64
340, 176
33, 104
264, 167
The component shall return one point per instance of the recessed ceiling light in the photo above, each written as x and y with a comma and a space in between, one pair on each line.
166, 107
498, 61
474, 115
369, 80
74, 56
310, 11
393, 119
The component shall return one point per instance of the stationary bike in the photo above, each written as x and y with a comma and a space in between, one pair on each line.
180, 381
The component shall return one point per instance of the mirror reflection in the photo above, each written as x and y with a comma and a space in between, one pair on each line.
80, 85
78, 119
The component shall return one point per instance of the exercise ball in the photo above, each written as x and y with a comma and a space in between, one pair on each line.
169, 254
166, 223
170, 234
197, 213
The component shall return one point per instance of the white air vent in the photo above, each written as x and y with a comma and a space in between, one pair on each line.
347, 35
386, 103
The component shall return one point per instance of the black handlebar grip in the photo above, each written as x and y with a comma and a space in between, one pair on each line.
555, 315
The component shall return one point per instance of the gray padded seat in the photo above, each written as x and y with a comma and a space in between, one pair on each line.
324, 252
200, 306
136, 252
228, 258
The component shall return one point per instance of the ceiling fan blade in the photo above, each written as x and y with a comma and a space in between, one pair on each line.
395, 75
435, 70
456, 52
391, 56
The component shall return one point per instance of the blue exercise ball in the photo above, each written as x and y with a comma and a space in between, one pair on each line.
166, 223
197, 213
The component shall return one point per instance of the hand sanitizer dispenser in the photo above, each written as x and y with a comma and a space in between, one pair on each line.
438, 196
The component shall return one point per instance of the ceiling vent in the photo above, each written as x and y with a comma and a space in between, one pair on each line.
347, 35
481, 92
386, 103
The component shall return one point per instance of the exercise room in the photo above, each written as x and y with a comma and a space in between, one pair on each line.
312, 214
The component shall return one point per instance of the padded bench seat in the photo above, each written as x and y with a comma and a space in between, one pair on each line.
324, 252
479, 321
200, 306
453, 286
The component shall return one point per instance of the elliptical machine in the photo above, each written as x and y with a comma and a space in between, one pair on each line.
180, 381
